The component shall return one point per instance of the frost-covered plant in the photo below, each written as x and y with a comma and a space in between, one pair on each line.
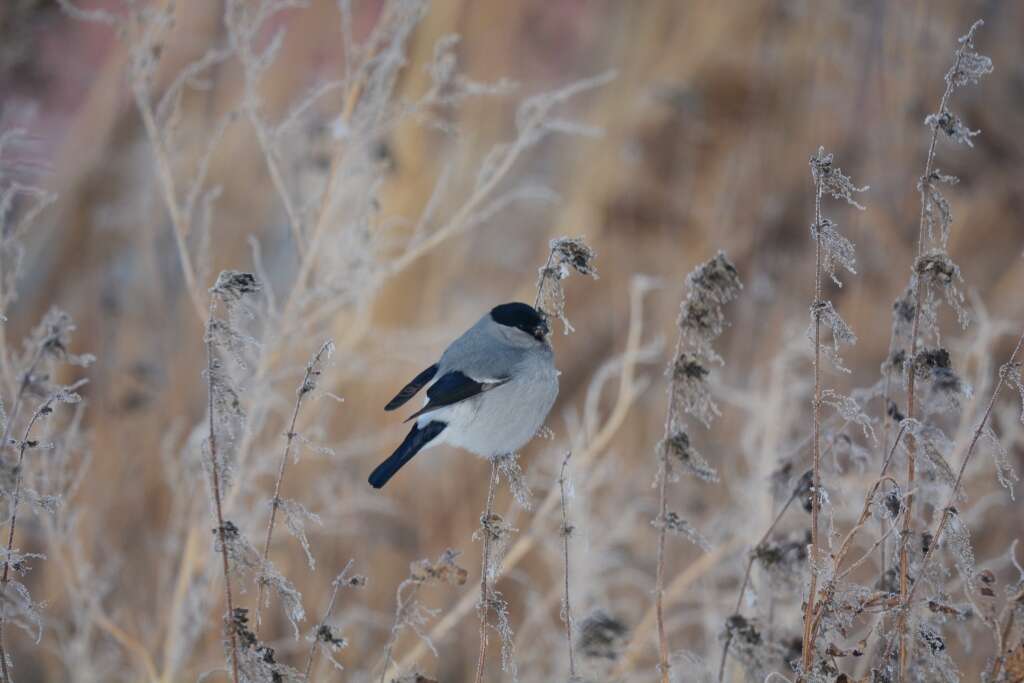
830, 247
566, 255
933, 270
710, 287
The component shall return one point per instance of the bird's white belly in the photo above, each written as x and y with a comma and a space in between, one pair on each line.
499, 421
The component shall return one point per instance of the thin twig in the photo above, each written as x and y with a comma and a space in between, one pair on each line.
307, 387
844, 548
485, 569
567, 530
215, 482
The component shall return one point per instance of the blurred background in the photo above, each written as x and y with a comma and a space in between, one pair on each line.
700, 142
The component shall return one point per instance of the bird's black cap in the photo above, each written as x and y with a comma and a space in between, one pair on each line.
521, 316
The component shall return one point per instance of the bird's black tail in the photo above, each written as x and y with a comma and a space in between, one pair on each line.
417, 438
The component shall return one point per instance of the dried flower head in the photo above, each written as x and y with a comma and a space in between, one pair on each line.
566, 255
233, 285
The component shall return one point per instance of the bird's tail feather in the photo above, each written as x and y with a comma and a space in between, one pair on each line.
417, 438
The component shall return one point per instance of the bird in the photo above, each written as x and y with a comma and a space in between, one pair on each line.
489, 393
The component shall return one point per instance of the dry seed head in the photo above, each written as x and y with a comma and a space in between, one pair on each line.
233, 285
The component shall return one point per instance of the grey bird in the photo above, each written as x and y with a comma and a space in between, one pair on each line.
489, 394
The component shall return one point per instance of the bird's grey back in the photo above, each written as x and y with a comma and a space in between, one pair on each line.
481, 353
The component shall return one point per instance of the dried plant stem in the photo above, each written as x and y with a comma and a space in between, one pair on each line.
908, 522
215, 482
808, 644
948, 511
746, 579
15, 499
335, 587
304, 389
566, 532
485, 570
999, 660
844, 548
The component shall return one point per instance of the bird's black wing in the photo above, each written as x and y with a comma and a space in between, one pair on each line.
410, 389
454, 387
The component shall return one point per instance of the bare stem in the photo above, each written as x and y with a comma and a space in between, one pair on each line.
812, 592
307, 386
566, 532
215, 481
485, 569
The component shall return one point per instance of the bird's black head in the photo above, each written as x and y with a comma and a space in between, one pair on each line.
522, 317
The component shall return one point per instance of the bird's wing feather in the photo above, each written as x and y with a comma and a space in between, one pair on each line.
410, 389
455, 387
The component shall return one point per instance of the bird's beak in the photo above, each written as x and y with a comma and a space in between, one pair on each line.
543, 330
